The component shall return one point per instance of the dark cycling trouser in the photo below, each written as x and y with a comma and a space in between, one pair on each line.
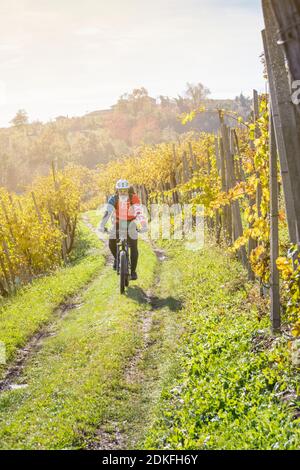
132, 242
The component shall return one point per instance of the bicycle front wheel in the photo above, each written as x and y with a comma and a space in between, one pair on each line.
123, 271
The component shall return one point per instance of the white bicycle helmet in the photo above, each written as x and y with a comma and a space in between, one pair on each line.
122, 184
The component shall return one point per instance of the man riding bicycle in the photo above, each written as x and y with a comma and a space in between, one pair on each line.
125, 207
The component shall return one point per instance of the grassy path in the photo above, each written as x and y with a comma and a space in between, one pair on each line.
145, 373
183, 361
72, 382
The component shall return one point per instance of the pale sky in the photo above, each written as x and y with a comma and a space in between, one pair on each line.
68, 57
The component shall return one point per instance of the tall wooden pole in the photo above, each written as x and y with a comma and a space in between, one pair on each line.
285, 122
193, 159
286, 182
288, 18
218, 156
275, 295
257, 134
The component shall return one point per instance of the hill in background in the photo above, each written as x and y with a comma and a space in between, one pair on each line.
27, 149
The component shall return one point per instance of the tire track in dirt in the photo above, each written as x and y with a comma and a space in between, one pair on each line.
34, 344
15, 370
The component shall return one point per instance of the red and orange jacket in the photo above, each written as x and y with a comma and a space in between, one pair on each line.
128, 209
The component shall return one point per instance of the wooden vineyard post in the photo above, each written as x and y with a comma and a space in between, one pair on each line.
5, 288
13, 209
177, 171
20, 206
145, 194
223, 169
71, 229
231, 182
241, 170
218, 157
286, 183
257, 134
218, 214
233, 153
227, 224
9, 283
173, 179
193, 159
186, 169
165, 187
139, 191
7, 220
64, 241
161, 190
9, 264
136, 189
173, 184
275, 295
208, 162
51, 214
285, 122
60, 219
140, 194
256, 112
288, 18
37, 210
210, 220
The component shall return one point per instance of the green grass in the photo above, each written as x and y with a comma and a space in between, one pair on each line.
225, 394
94, 217
76, 377
32, 307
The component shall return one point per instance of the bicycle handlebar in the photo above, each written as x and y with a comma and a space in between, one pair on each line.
105, 230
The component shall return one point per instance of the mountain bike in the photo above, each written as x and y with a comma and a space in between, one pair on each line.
123, 263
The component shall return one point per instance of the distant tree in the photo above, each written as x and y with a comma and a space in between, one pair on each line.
243, 100
196, 93
193, 97
135, 103
166, 102
243, 106
139, 93
182, 103
20, 119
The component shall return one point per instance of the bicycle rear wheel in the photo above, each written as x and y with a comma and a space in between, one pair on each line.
123, 271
